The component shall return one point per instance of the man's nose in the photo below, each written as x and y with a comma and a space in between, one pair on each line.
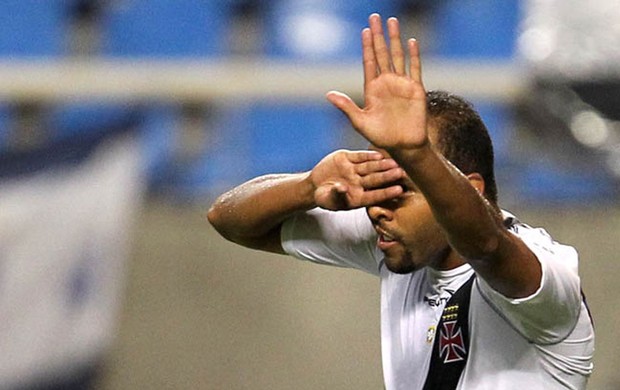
381, 211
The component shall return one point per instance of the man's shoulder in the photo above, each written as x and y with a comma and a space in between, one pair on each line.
538, 238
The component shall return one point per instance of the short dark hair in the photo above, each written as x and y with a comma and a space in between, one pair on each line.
462, 137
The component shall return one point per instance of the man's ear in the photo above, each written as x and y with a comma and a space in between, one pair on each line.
477, 181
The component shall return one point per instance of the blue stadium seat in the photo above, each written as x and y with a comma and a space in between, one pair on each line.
166, 28
499, 121
319, 30
475, 29
224, 162
158, 127
32, 28
546, 181
292, 136
5, 127
76, 119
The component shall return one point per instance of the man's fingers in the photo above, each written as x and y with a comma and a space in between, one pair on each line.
362, 156
378, 180
368, 167
368, 57
396, 48
415, 65
381, 195
346, 105
382, 53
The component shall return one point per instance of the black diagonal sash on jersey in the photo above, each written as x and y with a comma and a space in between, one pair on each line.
451, 345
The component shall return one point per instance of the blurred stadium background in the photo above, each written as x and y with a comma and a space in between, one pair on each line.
120, 120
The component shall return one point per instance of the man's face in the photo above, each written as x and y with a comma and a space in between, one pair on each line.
409, 235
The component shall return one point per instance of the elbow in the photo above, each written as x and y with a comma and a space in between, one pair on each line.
214, 217
481, 249
490, 245
227, 225
232, 228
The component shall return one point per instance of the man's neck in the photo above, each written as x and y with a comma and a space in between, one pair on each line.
450, 261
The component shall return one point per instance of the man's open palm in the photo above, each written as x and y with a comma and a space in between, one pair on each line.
394, 115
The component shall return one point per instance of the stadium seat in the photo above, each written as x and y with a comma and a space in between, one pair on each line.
158, 131
74, 119
292, 136
547, 181
166, 28
474, 29
319, 30
32, 28
5, 127
225, 160
499, 121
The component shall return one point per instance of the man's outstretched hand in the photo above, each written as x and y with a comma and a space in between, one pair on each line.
394, 115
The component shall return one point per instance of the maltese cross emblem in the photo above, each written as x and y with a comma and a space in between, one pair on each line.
451, 343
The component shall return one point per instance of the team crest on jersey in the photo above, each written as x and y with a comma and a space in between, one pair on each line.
451, 342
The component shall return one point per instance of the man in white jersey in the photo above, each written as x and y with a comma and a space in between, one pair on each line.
470, 297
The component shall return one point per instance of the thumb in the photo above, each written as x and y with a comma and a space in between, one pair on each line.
345, 104
331, 196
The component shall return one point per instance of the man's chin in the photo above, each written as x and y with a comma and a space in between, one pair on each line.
400, 267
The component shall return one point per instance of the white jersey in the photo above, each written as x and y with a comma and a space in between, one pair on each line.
544, 341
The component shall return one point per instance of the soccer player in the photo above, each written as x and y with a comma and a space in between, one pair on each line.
471, 298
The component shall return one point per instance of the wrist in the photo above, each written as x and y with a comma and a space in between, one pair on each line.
411, 155
306, 190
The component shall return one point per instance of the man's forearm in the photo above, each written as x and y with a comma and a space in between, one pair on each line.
256, 207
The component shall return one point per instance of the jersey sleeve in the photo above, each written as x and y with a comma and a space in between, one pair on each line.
338, 238
551, 313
